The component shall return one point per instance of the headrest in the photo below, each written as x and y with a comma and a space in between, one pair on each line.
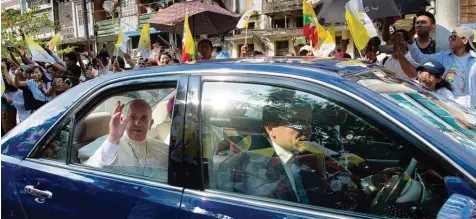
94, 126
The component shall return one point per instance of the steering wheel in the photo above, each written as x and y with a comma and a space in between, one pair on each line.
391, 190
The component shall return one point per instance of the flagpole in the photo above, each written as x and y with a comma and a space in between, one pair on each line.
246, 36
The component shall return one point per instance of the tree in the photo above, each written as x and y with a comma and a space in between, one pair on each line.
15, 24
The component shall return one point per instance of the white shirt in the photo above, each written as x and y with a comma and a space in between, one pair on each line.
282, 153
148, 157
394, 65
446, 93
18, 103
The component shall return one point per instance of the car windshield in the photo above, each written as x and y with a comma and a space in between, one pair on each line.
447, 116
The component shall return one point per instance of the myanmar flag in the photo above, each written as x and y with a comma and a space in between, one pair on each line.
188, 45
309, 22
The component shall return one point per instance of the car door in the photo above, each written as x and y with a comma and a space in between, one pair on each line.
231, 117
59, 186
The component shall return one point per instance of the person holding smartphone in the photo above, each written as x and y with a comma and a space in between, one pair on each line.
399, 60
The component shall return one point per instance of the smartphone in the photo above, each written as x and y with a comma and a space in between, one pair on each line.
300, 41
386, 49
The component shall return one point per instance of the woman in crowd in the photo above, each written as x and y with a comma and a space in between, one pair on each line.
430, 76
35, 82
164, 58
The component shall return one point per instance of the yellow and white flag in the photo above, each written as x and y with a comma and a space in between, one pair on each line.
329, 43
122, 40
360, 25
245, 19
37, 52
54, 41
144, 41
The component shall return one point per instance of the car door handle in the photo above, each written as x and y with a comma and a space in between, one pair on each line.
41, 195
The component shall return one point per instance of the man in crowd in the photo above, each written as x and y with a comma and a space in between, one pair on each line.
127, 147
103, 63
459, 63
400, 61
423, 25
73, 71
205, 49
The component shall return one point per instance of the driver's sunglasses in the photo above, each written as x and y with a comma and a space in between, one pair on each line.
299, 127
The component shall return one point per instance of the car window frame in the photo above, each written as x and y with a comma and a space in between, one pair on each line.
313, 88
92, 99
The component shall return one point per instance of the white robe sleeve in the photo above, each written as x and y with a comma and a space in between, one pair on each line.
105, 155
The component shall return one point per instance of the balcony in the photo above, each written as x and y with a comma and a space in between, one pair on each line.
274, 6
110, 26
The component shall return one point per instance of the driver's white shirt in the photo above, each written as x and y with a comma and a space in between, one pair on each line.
137, 157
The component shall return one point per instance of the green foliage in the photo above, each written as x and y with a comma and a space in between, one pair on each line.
15, 25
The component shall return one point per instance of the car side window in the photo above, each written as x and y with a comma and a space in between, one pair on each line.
56, 147
128, 134
285, 144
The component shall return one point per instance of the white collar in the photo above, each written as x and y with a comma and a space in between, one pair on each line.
134, 143
282, 153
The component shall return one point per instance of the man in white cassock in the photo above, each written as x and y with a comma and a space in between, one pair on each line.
127, 148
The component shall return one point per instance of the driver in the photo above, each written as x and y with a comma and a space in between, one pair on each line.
127, 147
289, 172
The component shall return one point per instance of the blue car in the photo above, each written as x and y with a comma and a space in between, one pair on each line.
263, 138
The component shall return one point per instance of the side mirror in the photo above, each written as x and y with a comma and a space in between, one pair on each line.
458, 206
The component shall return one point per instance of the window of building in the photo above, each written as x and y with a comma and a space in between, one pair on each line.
279, 23
289, 145
282, 48
251, 25
299, 21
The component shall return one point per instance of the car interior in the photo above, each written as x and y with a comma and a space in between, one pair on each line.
91, 131
367, 150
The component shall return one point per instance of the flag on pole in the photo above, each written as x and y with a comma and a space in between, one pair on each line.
37, 52
245, 19
360, 25
144, 41
122, 40
309, 22
329, 43
188, 45
321, 33
54, 41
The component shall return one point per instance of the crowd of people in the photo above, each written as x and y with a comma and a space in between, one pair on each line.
410, 54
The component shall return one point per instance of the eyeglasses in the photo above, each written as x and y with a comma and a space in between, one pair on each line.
299, 127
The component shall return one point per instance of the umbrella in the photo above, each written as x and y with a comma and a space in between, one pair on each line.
334, 10
203, 18
411, 6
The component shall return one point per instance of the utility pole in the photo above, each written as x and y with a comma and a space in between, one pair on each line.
446, 17
86, 24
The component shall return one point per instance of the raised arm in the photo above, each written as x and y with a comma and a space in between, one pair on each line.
20, 82
7, 76
129, 59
